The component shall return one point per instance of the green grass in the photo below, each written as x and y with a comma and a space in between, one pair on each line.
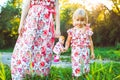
111, 53
6, 50
98, 71
108, 53
5, 73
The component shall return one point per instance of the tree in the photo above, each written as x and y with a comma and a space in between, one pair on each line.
9, 21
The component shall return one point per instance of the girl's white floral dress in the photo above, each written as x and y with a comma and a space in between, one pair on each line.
33, 50
80, 44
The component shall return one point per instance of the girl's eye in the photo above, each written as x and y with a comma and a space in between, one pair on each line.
82, 19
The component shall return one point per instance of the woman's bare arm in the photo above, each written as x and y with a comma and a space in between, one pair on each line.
25, 8
57, 18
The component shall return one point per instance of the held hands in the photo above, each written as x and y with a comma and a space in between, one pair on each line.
65, 49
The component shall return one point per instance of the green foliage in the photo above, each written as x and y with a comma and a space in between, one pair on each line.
66, 12
9, 21
5, 73
106, 27
7, 50
105, 22
108, 53
118, 46
98, 71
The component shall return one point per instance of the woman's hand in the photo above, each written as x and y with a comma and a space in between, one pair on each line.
92, 55
21, 30
57, 33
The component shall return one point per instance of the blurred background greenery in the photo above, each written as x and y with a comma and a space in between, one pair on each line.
105, 22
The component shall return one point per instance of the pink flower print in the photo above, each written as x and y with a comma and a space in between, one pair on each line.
87, 61
13, 71
50, 55
41, 24
38, 55
43, 51
40, 40
42, 64
32, 64
75, 64
47, 60
32, 38
46, 15
18, 62
48, 0
45, 32
84, 57
73, 59
70, 33
39, 14
76, 54
52, 40
14, 56
87, 54
48, 45
36, 43
32, 47
20, 70
24, 59
77, 71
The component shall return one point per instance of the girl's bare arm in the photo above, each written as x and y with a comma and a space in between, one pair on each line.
67, 44
92, 48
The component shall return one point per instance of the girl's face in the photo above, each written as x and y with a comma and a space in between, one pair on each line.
79, 21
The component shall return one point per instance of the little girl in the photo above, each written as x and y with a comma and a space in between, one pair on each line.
58, 48
79, 37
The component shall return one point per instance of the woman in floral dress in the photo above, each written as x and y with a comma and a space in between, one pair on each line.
33, 49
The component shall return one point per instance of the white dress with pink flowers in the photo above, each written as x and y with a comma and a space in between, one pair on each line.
33, 50
80, 44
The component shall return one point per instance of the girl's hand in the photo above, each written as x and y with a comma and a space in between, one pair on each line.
57, 33
92, 56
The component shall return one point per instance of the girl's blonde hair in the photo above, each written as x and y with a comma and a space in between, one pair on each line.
80, 13
61, 37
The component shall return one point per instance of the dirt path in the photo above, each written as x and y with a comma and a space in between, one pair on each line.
6, 58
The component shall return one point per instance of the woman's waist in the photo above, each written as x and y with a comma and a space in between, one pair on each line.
41, 8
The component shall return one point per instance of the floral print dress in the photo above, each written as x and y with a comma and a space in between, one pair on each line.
33, 50
80, 44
